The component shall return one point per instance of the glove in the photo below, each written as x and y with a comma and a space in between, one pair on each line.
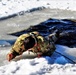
10, 56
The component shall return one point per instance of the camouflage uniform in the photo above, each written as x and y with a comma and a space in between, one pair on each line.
42, 45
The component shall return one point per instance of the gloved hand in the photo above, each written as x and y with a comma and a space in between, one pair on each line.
10, 56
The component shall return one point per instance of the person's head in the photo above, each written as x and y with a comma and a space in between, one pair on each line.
29, 42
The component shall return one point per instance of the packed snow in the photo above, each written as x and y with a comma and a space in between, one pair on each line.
37, 66
9, 7
55, 65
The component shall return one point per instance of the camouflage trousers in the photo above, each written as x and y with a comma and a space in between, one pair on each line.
52, 39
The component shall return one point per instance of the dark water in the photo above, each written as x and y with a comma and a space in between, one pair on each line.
65, 27
6, 43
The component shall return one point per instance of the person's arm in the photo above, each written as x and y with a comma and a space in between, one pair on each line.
12, 54
17, 49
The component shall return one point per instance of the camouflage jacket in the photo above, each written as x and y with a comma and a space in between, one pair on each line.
42, 46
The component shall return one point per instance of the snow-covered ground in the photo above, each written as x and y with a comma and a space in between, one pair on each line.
37, 67
9, 7
56, 65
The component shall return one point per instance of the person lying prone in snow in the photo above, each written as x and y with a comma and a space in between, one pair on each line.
35, 43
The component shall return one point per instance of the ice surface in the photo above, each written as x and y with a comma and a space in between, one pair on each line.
37, 66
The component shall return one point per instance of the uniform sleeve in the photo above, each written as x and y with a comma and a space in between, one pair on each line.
19, 45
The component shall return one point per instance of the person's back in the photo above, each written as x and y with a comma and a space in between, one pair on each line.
32, 42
